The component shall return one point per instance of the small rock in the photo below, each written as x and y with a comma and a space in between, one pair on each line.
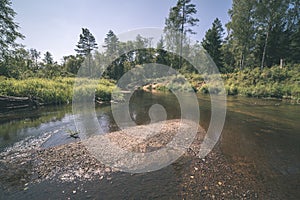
192, 177
196, 168
74, 191
219, 183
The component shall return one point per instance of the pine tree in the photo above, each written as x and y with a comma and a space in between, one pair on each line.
178, 24
212, 42
111, 43
87, 43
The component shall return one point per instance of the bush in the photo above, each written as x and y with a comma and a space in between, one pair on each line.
270, 82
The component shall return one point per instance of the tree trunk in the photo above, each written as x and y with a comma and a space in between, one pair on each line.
264, 51
182, 34
242, 60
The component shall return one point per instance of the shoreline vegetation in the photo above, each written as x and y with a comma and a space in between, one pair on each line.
56, 91
274, 83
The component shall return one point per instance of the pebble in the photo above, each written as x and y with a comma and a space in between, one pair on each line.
74, 191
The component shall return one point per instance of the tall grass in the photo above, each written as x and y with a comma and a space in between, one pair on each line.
274, 82
54, 91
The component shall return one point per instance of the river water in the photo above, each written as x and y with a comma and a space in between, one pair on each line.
263, 133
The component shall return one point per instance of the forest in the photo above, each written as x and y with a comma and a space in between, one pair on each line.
257, 53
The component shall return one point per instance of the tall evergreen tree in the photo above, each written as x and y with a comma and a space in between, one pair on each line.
86, 44
112, 50
111, 43
212, 42
178, 24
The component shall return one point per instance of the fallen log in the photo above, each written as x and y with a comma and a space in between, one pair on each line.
12, 102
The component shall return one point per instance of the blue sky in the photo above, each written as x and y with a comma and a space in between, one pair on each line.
55, 25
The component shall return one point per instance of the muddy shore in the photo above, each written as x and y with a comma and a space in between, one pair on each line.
71, 171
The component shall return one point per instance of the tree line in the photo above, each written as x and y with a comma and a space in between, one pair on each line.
259, 34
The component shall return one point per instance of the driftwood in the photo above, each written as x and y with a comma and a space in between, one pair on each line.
10, 102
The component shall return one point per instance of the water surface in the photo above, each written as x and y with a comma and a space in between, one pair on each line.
261, 133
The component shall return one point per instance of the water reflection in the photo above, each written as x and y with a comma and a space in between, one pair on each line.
262, 133
20, 124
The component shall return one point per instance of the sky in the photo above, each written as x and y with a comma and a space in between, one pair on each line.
55, 25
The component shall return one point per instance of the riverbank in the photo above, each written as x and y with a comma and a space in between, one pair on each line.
71, 171
56, 91
272, 83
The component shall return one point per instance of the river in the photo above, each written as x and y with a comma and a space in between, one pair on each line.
261, 133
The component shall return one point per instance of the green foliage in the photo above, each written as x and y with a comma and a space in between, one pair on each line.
212, 43
56, 91
72, 63
87, 43
8, 28
272, 82
178, 24
260, 33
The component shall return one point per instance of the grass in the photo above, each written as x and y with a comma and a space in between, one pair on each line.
55, 91
274, 82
